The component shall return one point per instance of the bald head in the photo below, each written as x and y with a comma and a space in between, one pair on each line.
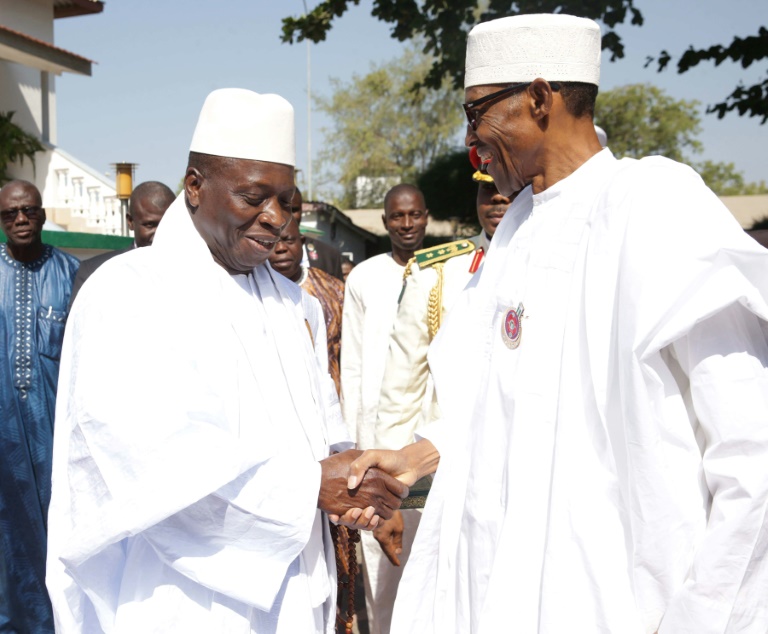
149, 201
403, 189
21, 185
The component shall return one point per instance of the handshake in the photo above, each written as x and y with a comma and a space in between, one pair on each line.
358, 488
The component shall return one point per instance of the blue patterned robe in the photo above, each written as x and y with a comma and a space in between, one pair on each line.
33, 310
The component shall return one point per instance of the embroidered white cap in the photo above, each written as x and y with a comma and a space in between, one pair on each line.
521, 48
246, 125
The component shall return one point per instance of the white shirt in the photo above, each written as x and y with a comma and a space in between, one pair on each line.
608, 474
370, 306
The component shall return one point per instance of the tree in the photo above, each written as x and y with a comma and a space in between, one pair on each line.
641, 119
15, 145
449, 189
383, 128
749, 100
724, 180
443, 24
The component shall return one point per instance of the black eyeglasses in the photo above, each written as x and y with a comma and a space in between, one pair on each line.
470, 108
32, 212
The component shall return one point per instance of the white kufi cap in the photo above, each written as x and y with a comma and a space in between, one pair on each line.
243, 124
520, 48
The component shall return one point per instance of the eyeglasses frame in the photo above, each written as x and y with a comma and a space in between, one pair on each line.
471, 106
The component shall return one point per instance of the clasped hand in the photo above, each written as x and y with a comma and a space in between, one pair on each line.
358, 488
378, 495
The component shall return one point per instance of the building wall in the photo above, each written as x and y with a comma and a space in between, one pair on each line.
344, 238
20, 85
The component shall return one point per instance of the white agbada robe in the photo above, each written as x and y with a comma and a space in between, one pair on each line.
609, 474
370, 305
191, 505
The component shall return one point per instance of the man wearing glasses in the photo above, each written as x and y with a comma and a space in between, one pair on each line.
603, 380
35, 285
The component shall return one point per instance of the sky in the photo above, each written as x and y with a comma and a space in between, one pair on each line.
157, 60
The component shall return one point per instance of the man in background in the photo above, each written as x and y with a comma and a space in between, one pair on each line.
346, 267
370, 305
146, 207
35, 287
286, 259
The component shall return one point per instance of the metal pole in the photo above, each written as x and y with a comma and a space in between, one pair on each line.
309, 115
124, 216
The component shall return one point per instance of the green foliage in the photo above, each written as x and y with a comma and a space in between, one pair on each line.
449, 189
724, 180
385, 128
748, 100
641, 119
444, 24
15, 145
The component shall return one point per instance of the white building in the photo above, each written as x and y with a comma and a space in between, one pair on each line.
75, 196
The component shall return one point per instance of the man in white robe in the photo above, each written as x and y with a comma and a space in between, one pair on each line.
196, 506
370, 304
603, 450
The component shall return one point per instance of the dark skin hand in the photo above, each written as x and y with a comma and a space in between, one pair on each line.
378, 492
389, 534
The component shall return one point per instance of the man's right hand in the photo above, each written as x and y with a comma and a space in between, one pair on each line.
409, 464
378, 490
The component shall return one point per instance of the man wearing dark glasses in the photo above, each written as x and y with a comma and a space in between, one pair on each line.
602, 380
35, 285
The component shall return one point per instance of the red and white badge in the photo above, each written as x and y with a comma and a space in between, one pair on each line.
512, 327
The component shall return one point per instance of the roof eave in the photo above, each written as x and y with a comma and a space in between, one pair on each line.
75, 8
17, 48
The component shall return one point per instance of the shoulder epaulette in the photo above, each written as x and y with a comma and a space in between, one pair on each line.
442, 252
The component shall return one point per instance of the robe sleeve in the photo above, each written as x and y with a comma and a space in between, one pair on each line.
726, 360
351, 355
153, 442
406, 373
240, 540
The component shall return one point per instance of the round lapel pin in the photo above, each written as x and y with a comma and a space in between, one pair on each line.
512, 327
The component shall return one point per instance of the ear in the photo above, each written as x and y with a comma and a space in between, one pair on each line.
43, 217
384, 219
129, 219
193, 182
426, 216
542, 98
